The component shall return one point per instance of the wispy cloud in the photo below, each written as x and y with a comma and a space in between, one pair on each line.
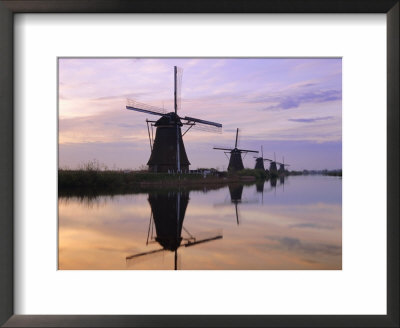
310, 120
125, 95
294, 101
295, 244
310, 225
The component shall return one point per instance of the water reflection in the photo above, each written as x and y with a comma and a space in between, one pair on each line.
167, 215
236, 192
297, 226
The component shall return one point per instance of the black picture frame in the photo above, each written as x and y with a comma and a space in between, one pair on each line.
10, 7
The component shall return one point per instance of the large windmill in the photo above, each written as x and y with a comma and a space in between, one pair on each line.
235, 160
167, 150
167, 214
260, 161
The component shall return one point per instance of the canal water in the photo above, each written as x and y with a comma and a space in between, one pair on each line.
289, 224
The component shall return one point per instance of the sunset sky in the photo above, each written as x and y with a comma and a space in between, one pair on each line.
292, 107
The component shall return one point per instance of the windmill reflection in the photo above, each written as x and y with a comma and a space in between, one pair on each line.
274, 180
282, 181
236, 192
166, 220
260, 189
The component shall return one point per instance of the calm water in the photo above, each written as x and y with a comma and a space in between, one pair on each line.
290, 224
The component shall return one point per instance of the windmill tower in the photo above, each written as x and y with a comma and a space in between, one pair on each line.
167, 150
167, 214
282, 166
260, 161
235, 160
273, 170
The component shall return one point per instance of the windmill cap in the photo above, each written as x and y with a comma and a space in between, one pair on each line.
169, 119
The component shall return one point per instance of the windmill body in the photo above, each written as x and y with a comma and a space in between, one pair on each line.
235, 159
260, 161
164, 152
282, 170
167, 150
273, 170
259, 164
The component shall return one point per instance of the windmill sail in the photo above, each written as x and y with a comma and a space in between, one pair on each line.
144, 108
203, 125
248, 151
197, 120
178, 86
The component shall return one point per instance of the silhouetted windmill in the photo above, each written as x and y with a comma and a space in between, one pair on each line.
260, 161
167, 214
168, 151
235, 161
282, 166
273, 171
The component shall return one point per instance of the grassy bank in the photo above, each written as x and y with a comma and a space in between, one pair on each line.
105, 181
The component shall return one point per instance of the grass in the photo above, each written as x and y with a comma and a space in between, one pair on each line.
256, 173
92, 178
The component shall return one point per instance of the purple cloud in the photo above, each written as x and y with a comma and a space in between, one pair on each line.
294, 101
310, 120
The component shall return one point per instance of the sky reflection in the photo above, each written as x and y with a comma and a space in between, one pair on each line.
298, 227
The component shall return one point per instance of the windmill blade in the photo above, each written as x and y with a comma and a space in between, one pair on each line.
282, 164
203, 125
144, 108
267, 159
237, 214
144, 253
248, 151
222, 148
237, 132
206, 128
196, 242
178, 72
197, 120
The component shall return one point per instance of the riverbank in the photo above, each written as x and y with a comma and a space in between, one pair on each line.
99, 182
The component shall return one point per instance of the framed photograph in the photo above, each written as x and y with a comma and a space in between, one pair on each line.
206, 164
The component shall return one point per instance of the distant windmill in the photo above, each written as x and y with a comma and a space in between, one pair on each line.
273, 171
260, 161
167, 215
235, 160
282, 166
168, 151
